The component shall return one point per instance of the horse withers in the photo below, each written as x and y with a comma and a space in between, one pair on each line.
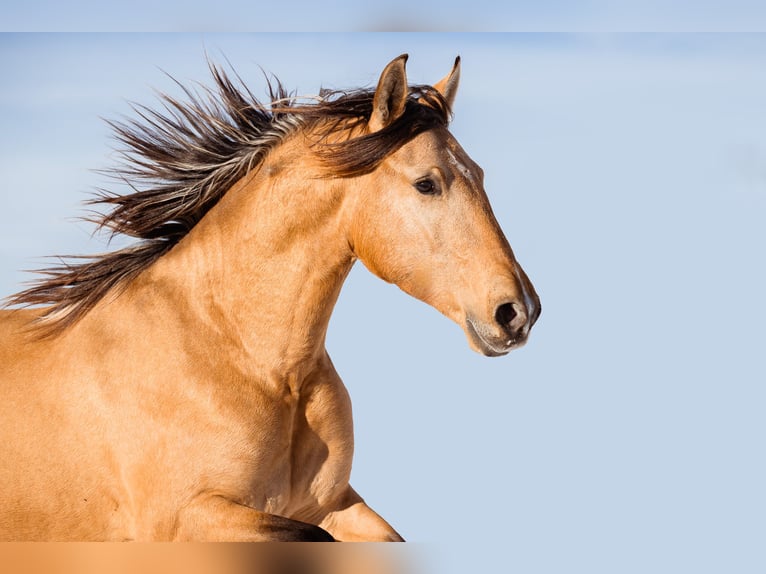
179, 389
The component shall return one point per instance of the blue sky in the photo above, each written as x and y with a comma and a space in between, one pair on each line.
629, 173
395, 15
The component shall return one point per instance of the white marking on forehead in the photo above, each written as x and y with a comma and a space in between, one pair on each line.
461, 167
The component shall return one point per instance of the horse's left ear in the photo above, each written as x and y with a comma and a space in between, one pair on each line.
390, 95
447, 86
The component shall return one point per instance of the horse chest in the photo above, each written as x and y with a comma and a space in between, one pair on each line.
298, 453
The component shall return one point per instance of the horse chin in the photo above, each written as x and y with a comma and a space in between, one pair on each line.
484, 343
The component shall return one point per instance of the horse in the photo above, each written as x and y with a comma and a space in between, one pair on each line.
179, 388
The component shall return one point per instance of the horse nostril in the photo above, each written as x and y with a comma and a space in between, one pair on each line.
505, 314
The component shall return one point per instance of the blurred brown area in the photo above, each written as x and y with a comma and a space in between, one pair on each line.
201, 558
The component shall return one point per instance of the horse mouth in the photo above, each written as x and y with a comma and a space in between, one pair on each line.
490, 345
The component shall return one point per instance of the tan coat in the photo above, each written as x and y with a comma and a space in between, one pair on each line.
198, 401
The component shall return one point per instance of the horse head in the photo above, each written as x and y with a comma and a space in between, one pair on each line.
422, 220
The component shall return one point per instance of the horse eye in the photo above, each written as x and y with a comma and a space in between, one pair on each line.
426, 187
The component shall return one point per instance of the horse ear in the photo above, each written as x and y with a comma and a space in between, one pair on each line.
390, 95
447, 86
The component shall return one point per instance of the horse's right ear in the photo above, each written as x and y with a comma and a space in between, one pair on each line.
390, 95
447, 86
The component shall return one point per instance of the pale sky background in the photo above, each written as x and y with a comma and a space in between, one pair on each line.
629, 173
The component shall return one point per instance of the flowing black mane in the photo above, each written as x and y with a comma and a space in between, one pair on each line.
180, 161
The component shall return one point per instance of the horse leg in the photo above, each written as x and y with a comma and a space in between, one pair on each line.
354, 521
217, 519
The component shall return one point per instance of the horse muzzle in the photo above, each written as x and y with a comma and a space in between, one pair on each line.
509, 329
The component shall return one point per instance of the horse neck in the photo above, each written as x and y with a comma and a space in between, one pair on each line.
261, 272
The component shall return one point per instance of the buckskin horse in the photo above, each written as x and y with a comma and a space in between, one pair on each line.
179, 388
